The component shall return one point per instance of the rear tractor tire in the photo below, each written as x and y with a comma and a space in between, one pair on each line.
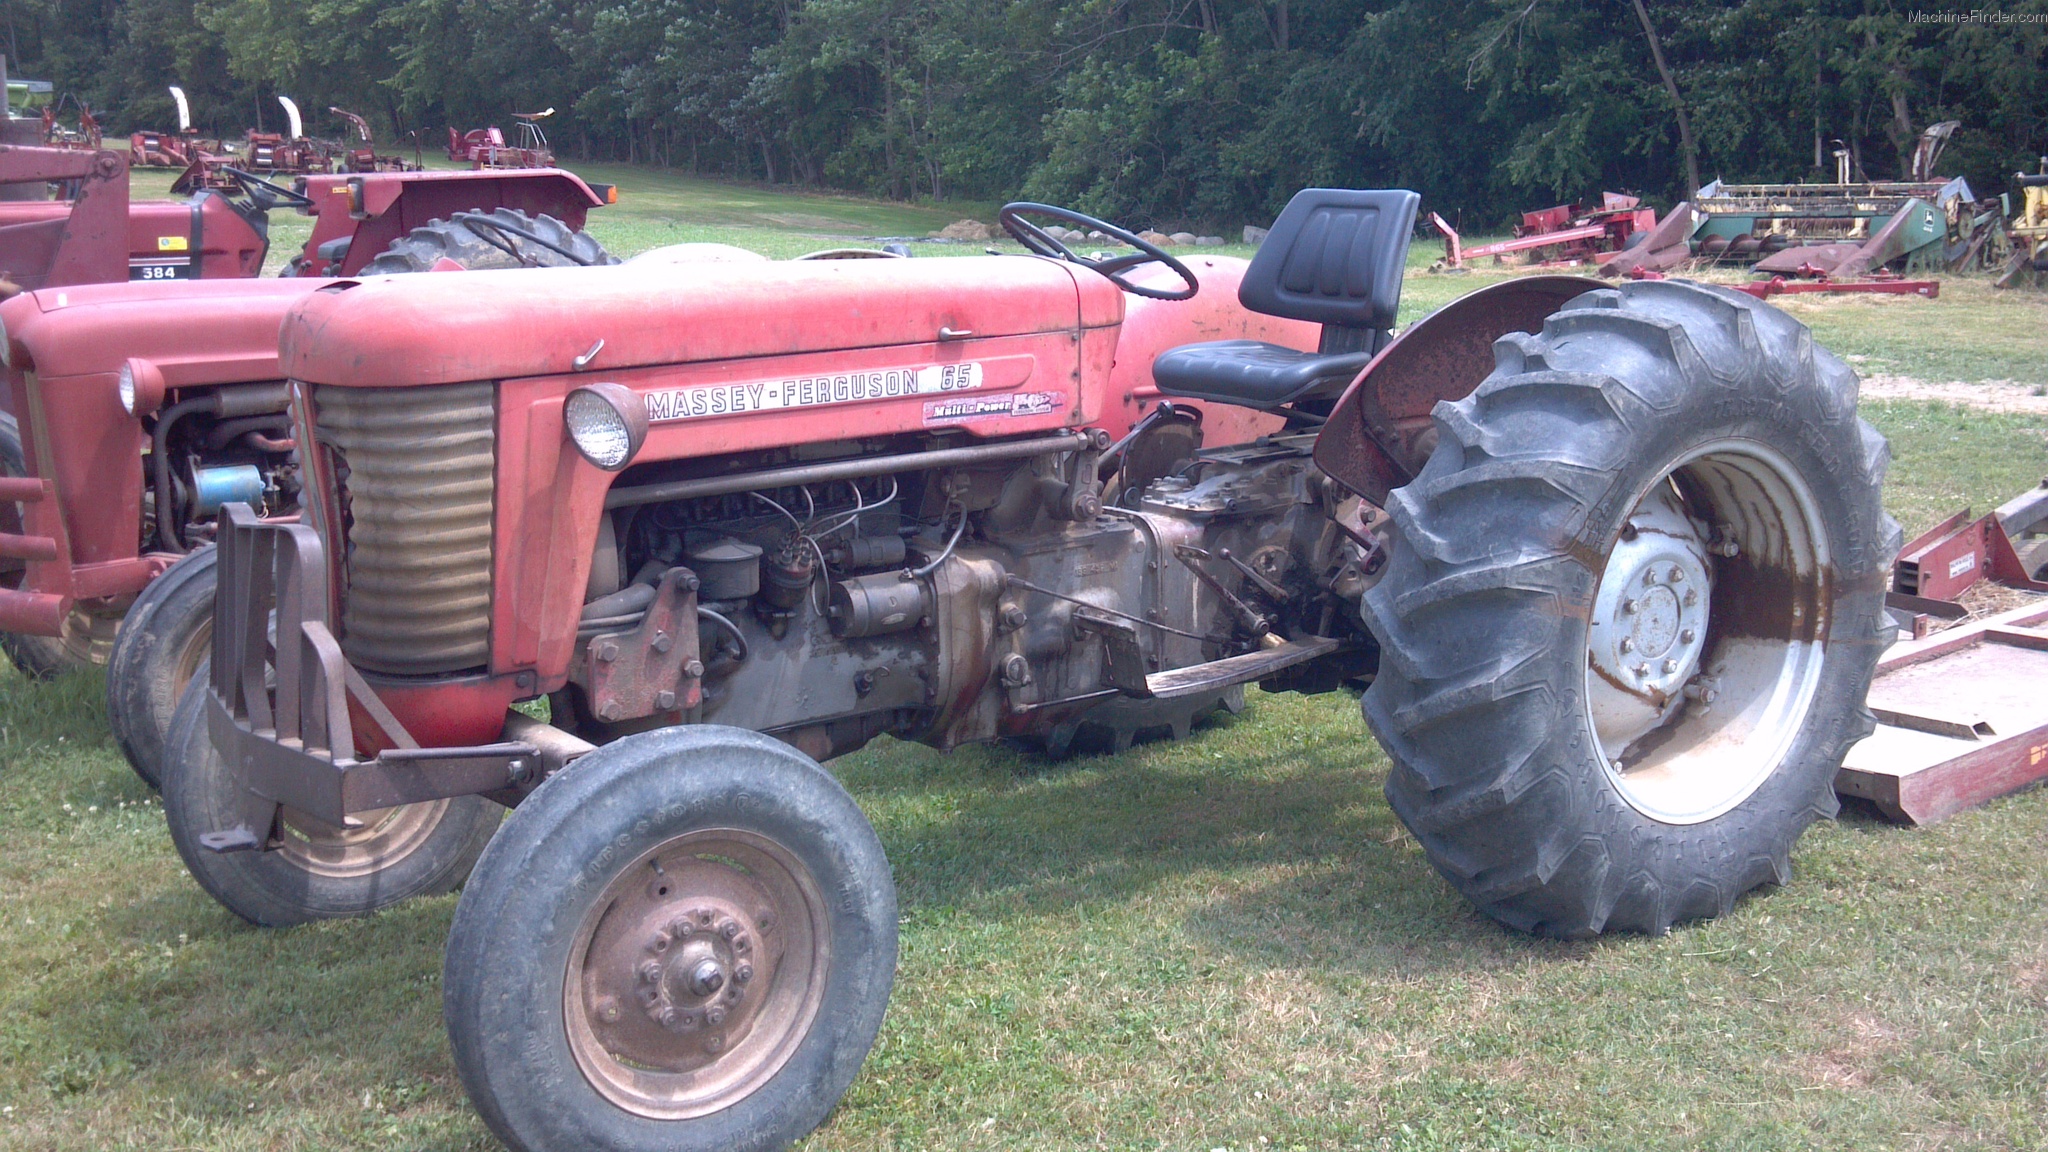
1631, 612
321, 872
685, 942
164, 640
480, 241
1115, 725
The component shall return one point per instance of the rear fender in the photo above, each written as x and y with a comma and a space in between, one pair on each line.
376, 208
1380, 433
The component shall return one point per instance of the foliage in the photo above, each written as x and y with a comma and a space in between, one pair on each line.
1163, 112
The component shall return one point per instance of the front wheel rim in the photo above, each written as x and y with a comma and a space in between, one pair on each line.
1708, 632
696, 974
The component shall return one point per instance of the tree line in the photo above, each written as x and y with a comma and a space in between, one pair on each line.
1157, 112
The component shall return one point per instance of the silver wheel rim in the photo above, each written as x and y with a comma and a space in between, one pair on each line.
1708, 632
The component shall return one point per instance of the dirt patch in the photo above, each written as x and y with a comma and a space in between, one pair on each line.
1851, 1062
1985, 396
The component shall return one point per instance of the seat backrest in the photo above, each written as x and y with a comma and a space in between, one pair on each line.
1335, 257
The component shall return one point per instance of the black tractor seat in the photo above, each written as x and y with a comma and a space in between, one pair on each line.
1252, 373
1334, 256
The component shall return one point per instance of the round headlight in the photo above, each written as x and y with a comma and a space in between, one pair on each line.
607, 423
141, 385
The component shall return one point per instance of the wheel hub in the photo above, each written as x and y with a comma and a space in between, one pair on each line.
1649, 623
699, 975
1702, 660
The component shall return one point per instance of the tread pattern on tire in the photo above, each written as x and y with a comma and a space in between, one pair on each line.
439, 239
1494, 565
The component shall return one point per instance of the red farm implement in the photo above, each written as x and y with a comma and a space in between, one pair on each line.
1565, 235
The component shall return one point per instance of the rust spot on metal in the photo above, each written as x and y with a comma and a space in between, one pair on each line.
1375, 439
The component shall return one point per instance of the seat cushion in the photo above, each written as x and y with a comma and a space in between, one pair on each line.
1251, 373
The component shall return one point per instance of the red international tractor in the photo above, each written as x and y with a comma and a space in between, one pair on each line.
135, 409
1611, 559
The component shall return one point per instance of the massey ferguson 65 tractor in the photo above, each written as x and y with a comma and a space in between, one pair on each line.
133, 411
1611, 559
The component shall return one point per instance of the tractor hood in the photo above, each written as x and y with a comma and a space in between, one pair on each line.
438, 329
197, 332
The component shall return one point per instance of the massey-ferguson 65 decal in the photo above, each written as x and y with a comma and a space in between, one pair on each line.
810, 391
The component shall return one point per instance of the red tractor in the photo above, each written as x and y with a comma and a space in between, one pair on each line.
134, 410
486, 147
1611, 559
94, 234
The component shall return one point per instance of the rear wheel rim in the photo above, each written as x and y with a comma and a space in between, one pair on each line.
696, 974
1708, 632
371, 843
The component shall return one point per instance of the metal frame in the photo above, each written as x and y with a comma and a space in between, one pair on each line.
297, 745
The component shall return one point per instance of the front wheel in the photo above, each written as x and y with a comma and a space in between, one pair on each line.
163, 642
319, 872
686, 940
1632, 608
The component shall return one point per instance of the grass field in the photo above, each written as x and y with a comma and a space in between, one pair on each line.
1229, 943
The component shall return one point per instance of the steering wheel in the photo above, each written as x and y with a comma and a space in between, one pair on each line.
272, 194
1040, 242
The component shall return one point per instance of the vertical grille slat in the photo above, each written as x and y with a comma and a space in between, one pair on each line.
416, 475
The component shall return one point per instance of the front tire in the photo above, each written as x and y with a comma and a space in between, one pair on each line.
686, 940
163, 641
1632, 608
321, 872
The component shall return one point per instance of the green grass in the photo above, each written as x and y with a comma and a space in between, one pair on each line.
1225, 943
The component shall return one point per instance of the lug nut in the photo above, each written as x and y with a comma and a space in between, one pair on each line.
694, 669
1670, 666
1687, 636
663, 642
1677, 575
1628, 607
707, 977
743, 973
1641, 670
1626, 645
1691, 598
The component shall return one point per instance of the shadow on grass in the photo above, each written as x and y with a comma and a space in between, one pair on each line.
209, 1006
1296, 858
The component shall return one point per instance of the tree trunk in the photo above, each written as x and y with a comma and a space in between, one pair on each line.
1685, 142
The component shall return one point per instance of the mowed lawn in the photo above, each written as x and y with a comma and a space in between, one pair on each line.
1227, 943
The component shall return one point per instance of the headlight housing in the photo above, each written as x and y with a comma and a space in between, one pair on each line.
607, 423
141, 385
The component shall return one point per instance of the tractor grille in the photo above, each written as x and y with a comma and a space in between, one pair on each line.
415, 471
